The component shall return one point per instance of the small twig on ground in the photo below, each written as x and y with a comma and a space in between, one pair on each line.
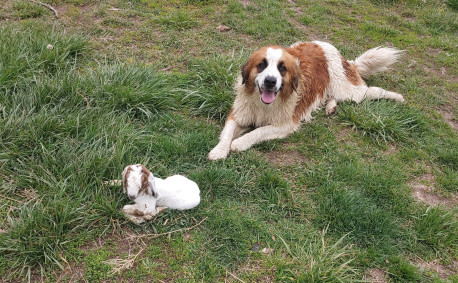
235, 277
11, 199
85, 99
47, 6
119, 264
112, 183
153, 236
165, 69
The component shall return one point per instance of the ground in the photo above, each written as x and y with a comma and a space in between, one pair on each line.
368, 193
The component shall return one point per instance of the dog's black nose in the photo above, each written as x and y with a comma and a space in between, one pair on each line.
270, 81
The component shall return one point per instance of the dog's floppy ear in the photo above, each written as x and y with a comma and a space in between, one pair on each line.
296, 79
246, 72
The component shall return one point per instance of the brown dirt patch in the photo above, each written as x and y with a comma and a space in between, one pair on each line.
422, 189
343, 134
255, 271
391, 149
447, 114
122, 245
285, 158
443, 271
245, 3
375, 275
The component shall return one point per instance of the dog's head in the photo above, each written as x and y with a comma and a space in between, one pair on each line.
137, 180
270, 71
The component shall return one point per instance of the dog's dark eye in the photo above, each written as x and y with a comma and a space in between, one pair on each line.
282, 67
261, 66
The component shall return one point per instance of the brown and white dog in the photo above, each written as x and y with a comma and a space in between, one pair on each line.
280, 87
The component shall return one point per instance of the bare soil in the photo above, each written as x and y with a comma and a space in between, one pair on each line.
375, 275
280, 158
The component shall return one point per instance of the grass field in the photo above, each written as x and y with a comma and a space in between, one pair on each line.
368, 193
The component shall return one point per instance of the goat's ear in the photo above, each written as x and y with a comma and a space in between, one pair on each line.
246, 72
125, 174
151, 190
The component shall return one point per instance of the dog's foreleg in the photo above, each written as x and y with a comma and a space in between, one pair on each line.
221, 150
331, 107
262, 134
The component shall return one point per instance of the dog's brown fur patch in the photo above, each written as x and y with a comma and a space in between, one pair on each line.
314, 75
351, 73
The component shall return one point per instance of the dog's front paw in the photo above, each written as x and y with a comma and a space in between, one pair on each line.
218, 153
331, 107
239, 144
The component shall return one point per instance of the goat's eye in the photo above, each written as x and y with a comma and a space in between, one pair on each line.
282, 67
261, 66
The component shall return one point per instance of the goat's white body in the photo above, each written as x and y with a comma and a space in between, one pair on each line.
175, 192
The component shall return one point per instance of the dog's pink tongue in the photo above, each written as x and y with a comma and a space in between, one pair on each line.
267, 96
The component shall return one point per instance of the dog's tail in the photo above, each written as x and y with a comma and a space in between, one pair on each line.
376, 60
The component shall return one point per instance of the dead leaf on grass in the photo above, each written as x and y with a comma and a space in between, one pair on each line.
267, 250
223, 28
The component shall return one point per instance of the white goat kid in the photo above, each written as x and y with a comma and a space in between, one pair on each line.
153, 195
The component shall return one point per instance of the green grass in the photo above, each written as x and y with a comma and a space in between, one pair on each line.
383, 121
152, 84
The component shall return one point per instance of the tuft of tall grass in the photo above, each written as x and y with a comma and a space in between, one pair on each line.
438, 229
39, 234
24, 53
320, 260
382, 121
401, 270
210, 89
177, 20
441, 22
24, 9
452, 4
449, 180
136, 90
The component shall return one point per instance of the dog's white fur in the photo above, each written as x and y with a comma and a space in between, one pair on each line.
283, 116
175, 192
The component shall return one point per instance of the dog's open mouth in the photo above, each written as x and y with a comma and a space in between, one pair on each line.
267, 96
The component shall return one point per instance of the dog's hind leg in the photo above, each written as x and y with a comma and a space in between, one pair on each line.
361, 92
379, 93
